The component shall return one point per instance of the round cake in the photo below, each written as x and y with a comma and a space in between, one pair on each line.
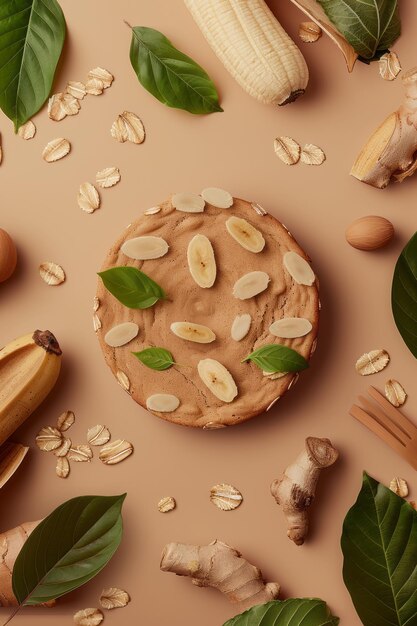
188, 292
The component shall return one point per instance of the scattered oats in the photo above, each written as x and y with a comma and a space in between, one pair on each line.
56, 149
123, 380
98, 73
114, 598
88, 617
80, 454
287, 149
62, 467
399, 486
76, 89
108, 177
115, 452
166, 504
128, 127
96, 323
65, 421
259, 209
372, 362
51, 273
48, 439
309, 32
153, 210
4, 548
312, 155
70, 105
55, 109
27, 131
98, 435
88, 198
226, 497
389, 66
395, 392
96, 304
64, 448
214, 426
94, 87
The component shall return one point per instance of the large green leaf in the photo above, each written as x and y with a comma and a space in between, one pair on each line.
132, 287
32, 34
404, 294
379, 544
169, 75
370, 26
68, 548
276, 358
293, 612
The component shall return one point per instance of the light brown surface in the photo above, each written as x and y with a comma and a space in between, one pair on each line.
233, 150
214, 307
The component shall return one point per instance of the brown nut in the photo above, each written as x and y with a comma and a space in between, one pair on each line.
369, 233
8, 256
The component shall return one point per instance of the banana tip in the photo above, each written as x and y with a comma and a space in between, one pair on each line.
46, 340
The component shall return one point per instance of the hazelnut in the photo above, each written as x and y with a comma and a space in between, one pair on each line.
8, 256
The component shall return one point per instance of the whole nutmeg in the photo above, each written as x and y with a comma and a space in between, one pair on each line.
370, 233
8, 256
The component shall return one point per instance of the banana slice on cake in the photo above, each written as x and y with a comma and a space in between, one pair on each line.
218, 379
201, 261
193, 332
245, 234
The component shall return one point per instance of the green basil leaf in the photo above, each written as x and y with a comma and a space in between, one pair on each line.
379, 544
169, 75
156, 358
370, 26
275, 358
32, 34
404, 294
68, 548
292, 612
132, 287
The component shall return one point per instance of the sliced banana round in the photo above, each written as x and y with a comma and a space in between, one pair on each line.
217, 197
218, 379
188, 202
240, 327
193, 332
144, 248
250, 285
299, 269
291, 327
245, 234
162, 403
201, 261
121, 334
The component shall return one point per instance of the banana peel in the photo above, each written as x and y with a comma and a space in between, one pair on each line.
11, 457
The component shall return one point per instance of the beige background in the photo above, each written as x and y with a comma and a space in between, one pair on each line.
233, 150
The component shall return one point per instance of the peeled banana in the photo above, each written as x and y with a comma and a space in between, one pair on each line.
244, 233
253, 47
29, 368
193, 332
218, 379
201, 261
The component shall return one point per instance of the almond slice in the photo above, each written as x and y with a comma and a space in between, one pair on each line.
27, 131
51, 273
121, 334
395, 393
372, 362
299, 269
290, 327
76, 89
153, 210
123, 380
114, 598
88, 198
145, 248
98, 435
250, 285
162, 403
226, 497
56, 149
101, 74
188, 202
115, 452
312, 155
96, 322
48, 439
287, 149
217, 197
108, 177
240, 327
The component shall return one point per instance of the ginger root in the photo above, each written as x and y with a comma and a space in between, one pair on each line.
222, 567
11, 542
295, 490
391, 152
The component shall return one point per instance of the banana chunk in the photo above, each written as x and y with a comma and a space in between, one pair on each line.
218, 379
250, 285
201, 261
144, 248
193, 332
245, 234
